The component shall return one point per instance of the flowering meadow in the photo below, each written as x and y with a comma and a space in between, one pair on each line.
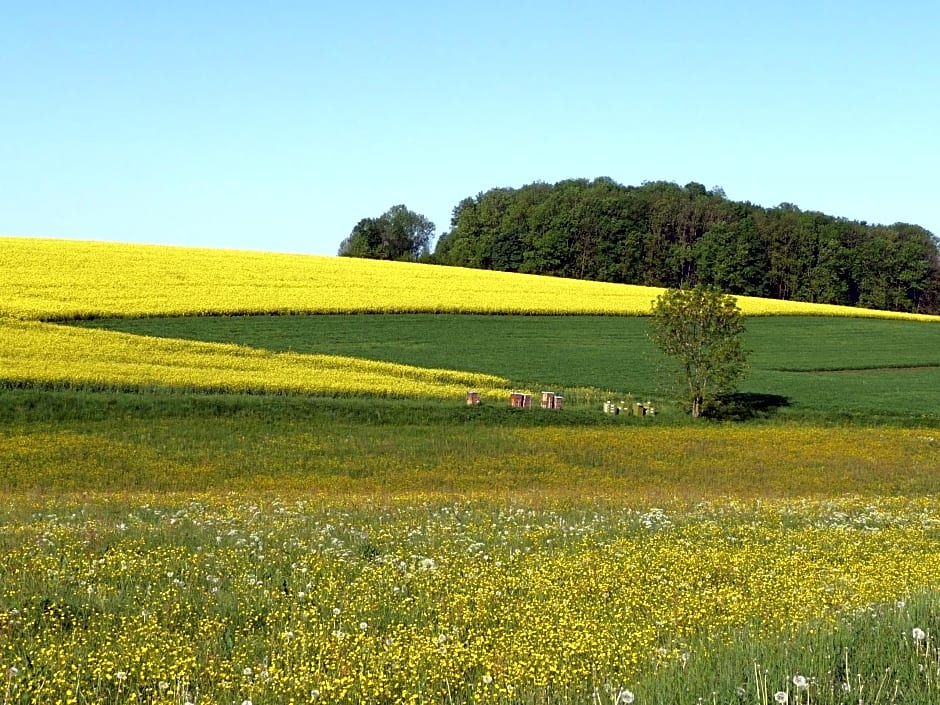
193, 523
303, 599
230, 560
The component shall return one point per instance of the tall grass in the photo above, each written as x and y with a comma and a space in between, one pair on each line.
879, 654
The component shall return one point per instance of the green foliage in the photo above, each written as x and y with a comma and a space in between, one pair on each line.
663, 234
398, 234
702, 329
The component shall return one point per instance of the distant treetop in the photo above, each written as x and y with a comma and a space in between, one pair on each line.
663, 234
398, 234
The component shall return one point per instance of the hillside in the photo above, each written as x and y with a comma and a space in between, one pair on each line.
431, 357
201, 507
42, 279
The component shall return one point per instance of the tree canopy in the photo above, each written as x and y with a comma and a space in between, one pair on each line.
398, 234
701, 328
663, 234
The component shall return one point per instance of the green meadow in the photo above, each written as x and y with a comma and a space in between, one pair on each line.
820, 369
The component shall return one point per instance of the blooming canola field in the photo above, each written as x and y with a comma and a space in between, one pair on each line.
36, 353
62, 279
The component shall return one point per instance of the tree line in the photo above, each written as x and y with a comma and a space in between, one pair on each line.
663, 234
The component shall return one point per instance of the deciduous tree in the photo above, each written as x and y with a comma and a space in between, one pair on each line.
701, 328
398, 234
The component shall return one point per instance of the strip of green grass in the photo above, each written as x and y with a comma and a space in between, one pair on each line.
205, 449
27, 405
572, 351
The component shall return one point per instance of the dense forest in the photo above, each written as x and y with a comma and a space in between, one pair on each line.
663, 234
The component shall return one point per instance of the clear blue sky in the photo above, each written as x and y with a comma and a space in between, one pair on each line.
277, 126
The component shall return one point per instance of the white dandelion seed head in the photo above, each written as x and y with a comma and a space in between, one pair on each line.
918, 634
363, 626
121, 675
337, 611
800, 682
781, 697
625, 697
487, 679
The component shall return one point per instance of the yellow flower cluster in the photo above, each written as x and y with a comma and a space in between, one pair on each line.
44, 353
61, 279
420, 600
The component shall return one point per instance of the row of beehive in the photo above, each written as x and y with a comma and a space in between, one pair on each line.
550, 400
638, 409
521, 400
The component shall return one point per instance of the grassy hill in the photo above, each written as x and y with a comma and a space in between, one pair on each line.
809, 361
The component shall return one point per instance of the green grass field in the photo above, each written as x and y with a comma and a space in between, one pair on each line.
810, 368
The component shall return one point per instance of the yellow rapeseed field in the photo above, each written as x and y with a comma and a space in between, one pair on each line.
60, 279
32, 352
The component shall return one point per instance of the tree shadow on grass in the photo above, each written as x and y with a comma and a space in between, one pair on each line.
745, 406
